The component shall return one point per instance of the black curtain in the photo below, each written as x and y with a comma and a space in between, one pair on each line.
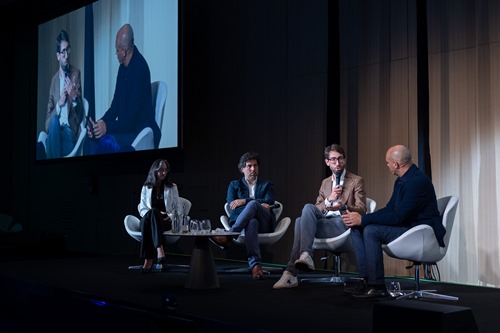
88, 85
424, 157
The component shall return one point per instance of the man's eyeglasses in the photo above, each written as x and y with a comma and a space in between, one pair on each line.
66, 51
339, 159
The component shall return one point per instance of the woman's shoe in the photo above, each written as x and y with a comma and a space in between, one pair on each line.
162, 261
146, 269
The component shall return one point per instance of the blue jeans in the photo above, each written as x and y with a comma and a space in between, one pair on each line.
367, 243
254, 219
60, 139
312, 223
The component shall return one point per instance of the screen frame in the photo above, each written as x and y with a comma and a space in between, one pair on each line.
170, 153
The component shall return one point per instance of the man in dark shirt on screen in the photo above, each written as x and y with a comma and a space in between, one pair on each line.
132, 108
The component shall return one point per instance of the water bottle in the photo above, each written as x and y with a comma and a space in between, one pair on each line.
176, 223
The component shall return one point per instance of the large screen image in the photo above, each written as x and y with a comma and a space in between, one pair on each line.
108, 79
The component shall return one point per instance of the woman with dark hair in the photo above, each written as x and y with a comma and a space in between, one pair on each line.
159, 197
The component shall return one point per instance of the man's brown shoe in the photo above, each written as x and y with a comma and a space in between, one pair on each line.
257, 272
222, 242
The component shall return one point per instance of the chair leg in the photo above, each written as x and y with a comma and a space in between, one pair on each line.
325, 259
336, 279
157, 267
424, 293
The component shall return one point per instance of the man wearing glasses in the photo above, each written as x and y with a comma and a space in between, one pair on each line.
65, 107
342, 190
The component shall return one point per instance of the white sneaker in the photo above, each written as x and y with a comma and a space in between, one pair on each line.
305, 262
287, 280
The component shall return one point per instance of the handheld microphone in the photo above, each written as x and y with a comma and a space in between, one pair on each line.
274, 206
66, 70
337, 178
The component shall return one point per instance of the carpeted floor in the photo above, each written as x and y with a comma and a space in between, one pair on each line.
82, 293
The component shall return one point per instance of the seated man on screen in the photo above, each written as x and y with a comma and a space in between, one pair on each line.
249, 199
413, 202
65, 107
131, 109
341, 190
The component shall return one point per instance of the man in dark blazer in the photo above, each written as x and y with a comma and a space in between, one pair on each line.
413, 202
249, 199
342, 190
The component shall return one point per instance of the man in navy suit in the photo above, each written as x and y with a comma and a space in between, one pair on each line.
413, 202
249, 199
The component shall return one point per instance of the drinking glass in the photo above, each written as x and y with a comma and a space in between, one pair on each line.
175, 222
206, 226
194, 226
185, 224
395, 289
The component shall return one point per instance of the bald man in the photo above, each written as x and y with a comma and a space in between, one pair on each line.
413, 202
132, 108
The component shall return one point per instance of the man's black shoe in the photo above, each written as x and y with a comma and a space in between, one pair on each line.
358, 287
372, 293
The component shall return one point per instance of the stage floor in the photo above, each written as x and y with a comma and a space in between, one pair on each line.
78, 293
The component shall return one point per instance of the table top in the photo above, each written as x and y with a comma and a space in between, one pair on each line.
201, 234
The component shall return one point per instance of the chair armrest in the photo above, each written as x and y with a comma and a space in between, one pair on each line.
225, 222
144, 140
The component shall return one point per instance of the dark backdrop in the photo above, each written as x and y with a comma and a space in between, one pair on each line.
255, 77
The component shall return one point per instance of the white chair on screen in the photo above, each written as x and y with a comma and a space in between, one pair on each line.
145, 138
335, 246
264, 238
77, 150
133, 228
419, 245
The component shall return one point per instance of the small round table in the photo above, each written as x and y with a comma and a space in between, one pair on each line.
202, 273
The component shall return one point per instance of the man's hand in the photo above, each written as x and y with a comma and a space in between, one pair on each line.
336, 193
236, 203
90, 128
336, 206
351, 219
96, 129
71, 87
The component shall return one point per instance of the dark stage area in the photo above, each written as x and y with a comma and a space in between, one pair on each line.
44, 292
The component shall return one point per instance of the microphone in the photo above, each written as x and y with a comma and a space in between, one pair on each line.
337, 178
274, 206
66, 70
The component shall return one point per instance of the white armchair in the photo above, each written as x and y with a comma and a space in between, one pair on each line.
264, 238
335, 246
419, 245
77, 150
145, 139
